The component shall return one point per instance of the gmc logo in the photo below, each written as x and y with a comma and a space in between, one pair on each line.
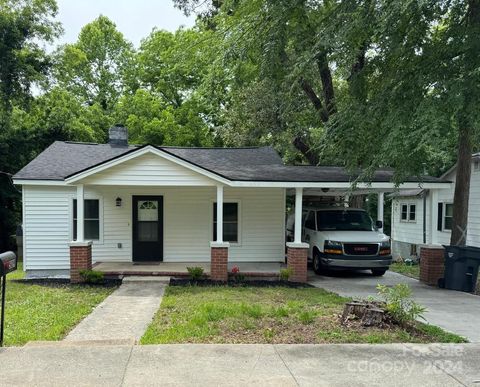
360, 248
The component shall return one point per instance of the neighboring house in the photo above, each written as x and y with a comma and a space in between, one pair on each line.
423, 216
115, 202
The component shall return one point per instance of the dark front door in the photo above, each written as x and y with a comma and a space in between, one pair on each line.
147, 228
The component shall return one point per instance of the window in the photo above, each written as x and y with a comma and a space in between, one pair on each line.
411, 213
447, 218
230, 222
91, 222
310, 222
408, 213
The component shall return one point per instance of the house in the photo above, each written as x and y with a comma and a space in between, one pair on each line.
87, 204
423, 216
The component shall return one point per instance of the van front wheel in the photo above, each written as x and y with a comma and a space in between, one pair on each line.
317, 263
378, 272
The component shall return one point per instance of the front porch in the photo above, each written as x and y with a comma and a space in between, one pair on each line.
179, 269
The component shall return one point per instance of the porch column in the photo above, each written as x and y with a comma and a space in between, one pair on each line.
80, 250
298, 215
297, 251
380, 203
80, 213
432, 235
219, 248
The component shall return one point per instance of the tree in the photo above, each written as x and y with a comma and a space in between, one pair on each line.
99, 67
23, 26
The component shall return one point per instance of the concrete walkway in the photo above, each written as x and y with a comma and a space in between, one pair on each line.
453, 311
236, 365
125, 314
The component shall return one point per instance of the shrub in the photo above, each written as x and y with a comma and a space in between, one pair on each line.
399, 303
195, 273
285, 274
237, 275
92, 276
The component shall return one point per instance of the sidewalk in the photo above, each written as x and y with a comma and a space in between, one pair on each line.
234, 365
125, 314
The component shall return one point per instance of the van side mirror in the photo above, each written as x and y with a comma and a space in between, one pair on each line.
379, 224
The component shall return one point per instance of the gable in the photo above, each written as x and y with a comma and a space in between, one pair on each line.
148, 169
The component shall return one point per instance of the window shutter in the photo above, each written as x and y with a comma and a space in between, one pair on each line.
440, 216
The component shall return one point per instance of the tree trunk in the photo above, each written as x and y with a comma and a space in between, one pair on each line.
465, 129
307, 152
462, 186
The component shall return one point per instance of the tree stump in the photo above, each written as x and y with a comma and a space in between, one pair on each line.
368, 314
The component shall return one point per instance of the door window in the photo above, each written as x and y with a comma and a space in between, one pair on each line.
147, 217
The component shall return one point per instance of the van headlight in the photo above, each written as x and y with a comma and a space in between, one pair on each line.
332, 247
385, 248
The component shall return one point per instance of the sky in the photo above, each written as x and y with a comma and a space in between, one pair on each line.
134, 18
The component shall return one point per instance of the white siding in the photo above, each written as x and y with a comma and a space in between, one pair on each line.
46, 229
411, 232
405, 232
148, 169
188, 223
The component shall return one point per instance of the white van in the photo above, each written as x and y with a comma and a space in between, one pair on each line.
345, 238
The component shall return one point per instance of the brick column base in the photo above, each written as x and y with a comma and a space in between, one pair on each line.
219, 261
297, 261
80, 259
432, 264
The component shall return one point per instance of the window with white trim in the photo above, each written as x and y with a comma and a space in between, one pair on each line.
230, 222
91, 222
447, 216
408, 213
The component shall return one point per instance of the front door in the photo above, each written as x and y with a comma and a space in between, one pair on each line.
147, 228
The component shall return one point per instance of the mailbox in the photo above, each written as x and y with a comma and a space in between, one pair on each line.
8, 263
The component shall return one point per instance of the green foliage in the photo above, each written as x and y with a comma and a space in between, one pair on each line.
195, 273
399, 303
92, 276
285, 274
99, 67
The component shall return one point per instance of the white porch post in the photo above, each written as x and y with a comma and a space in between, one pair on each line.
432, 235
298, 215
380, 202
219, 214
80, 213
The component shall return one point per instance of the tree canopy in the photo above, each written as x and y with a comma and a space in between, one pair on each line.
359, 83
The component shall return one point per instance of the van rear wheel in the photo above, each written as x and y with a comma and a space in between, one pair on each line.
378, 272
317, 263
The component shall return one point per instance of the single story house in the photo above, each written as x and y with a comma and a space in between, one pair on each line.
424, 216
87, 203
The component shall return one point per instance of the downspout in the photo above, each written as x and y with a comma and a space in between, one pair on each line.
424, 217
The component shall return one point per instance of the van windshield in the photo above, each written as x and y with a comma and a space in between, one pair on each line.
344, 221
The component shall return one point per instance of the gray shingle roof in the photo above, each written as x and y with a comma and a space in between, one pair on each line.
63, 159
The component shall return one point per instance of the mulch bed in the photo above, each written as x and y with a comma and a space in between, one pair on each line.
234, 283
62, 282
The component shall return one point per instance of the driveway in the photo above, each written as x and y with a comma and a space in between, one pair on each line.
453, 311
65, 364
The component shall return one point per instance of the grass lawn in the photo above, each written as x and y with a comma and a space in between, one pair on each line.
402, 268
46, 312
266, 315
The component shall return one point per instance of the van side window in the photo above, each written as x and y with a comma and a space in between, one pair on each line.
310, 222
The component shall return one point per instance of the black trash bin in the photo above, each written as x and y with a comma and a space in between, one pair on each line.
461, 267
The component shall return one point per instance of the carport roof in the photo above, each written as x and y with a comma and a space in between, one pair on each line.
255, 164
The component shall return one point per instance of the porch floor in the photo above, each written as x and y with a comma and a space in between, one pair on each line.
259, 269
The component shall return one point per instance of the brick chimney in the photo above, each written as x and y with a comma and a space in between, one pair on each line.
118, 135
